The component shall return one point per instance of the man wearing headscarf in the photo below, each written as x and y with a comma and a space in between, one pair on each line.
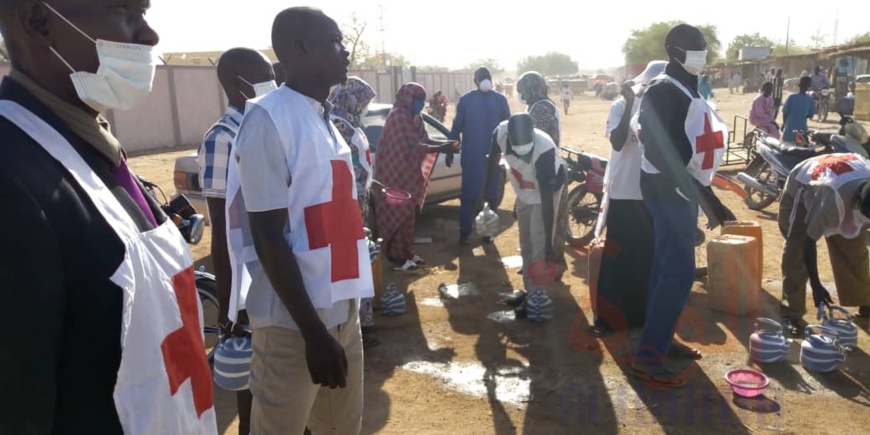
624, 276
405, 158
683, 143
349, 101
477, 114
532, 90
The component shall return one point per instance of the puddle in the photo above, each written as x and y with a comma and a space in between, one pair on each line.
506, 316
514, 262
432, 302
456, 291
509, 384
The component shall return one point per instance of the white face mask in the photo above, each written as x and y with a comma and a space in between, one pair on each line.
123, 79
260, 89
485, 85
695, 62
523, 149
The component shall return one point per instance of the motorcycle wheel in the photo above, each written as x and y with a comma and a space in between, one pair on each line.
761, 171
207, 290
582, 216
823, 113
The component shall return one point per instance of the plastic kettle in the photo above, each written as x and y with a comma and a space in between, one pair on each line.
767, 344
847, 332
821, 352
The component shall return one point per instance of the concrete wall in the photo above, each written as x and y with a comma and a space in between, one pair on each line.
187, 100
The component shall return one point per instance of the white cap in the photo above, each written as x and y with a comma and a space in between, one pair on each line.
653, 69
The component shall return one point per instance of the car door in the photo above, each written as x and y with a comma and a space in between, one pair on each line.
444, 183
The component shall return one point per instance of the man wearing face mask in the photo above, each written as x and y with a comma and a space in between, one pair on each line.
538, 177
477, 115
683, 142
93, 267
244, 74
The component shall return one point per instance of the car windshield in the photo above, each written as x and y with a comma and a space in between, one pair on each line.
374, 126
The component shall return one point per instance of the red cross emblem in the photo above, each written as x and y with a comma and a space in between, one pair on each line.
527, 185
369, 156
183, 349
337, 224
708, 143
837, 163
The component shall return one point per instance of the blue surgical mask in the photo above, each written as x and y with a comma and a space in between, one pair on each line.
418, 106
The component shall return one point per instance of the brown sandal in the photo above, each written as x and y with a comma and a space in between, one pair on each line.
663, 381
679, 350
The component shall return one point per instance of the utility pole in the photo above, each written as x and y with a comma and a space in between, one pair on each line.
836, 25
382, 27
787, 29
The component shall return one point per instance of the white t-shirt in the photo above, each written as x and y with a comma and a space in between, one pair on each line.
622, 178
265, 178
566, 95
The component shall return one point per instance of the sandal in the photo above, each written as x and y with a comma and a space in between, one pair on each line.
792, 326
665, 380
863, 312
515, 299
679, 350
409, 267
599, 331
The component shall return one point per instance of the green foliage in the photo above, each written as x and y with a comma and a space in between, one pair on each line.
741, 41
432, 69
648, 44
494, 67
779, 49
552, 63
859, 39
381, 61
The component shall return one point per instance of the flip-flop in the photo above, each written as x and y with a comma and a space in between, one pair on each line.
660, 382
679, 350
599, 331
515, 299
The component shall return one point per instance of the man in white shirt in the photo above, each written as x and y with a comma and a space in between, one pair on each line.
624, 275
311, 261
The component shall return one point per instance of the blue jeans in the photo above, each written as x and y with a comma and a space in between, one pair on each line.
673, 272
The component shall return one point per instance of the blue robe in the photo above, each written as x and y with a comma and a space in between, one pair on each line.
477, 115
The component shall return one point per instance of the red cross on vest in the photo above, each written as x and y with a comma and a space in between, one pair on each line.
838, 164
337, 224
183, 349
528, 185
708, 143
369, 156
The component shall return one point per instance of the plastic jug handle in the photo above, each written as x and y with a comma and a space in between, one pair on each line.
824, 330
834, 308
822, 314
769, 322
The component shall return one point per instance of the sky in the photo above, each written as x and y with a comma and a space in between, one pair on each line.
455, 33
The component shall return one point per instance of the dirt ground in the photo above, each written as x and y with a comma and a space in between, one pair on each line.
457, 362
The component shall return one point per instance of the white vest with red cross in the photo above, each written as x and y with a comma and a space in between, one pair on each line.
706, 131
524, 175
164, 385
326, 230
834, 171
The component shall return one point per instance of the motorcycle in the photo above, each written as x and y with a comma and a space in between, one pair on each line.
822, 101
584, 199
192, 225
772, 161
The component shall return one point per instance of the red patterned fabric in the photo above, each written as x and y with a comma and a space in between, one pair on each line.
403, 161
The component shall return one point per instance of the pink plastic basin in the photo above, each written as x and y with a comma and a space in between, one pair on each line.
396, 196
747, 382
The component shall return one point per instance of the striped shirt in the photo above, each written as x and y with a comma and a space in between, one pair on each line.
214, 154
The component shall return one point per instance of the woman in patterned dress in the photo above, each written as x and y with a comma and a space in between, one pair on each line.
349, 103
404, 160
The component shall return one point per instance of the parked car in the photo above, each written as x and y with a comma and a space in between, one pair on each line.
444, 184
863, 78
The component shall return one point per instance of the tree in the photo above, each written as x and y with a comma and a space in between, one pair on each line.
742, 41
552, 63
353, 33
432, 69
779, 48
648, 44
382, 60
494, 67
819, 38
863, 38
